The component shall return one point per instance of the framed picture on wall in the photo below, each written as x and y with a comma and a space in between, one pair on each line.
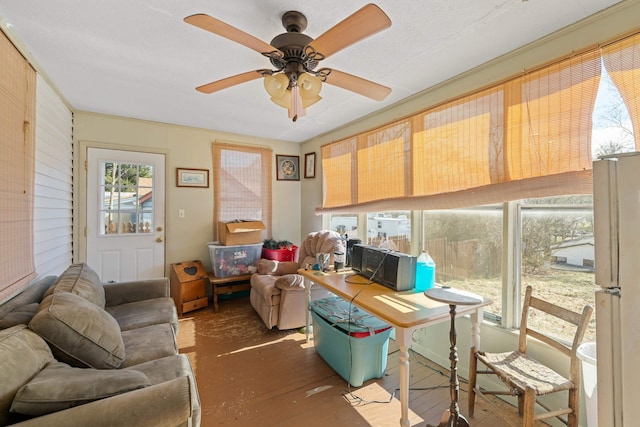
287, 167
310, 165
186, 177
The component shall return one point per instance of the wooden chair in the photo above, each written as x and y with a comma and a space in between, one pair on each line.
527, 378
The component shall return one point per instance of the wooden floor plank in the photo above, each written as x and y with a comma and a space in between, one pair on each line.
250, 376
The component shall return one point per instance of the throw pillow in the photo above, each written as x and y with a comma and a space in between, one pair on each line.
59, 386
23, 354
79, 332
82, 280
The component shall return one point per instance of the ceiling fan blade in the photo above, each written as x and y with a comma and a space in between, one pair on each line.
362, 24
220, 28
229, 81
358, 85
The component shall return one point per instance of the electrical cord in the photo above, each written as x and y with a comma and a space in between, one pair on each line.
349, 396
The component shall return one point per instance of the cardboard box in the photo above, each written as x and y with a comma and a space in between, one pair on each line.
240, 232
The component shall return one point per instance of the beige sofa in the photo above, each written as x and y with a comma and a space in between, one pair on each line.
278, 293
76, 352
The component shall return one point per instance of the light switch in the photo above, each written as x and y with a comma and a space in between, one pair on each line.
181, 213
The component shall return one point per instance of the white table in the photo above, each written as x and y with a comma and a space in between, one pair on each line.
406, 311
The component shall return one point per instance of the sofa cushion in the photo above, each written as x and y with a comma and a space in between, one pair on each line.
82, 280
168, 368
149, 343
23, 354
59, 386
147, 312
79, 332
265, 287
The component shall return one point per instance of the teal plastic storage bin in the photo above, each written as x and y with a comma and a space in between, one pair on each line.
355, 345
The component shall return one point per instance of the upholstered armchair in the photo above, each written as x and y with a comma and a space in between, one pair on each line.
278, 293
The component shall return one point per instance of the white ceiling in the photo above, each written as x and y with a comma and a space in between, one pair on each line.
137, 58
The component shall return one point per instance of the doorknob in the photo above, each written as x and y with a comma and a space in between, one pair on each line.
159, 240
158, 228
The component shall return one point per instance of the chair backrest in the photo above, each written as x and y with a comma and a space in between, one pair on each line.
579, 321
326, 241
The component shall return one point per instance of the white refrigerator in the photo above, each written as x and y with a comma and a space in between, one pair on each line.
616, 193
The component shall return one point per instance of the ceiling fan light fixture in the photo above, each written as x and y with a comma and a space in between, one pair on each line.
294, 84
284, 101
310, 86
308, 102
276, 84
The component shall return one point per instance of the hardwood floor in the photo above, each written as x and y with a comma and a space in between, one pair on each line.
250, 376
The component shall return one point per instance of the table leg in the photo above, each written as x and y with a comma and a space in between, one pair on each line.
403, 339
215, 297
307, 287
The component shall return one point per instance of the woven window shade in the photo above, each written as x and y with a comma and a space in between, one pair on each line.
529, 137
339, 185
17, 142
622, 61
241, 184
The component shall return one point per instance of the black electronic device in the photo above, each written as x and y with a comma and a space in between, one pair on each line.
350, 244
389, 268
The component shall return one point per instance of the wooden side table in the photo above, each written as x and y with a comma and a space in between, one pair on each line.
227, 285
453, 297
189, 286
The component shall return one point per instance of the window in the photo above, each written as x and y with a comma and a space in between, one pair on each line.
391, 230
556, 229
345, 224
242, 184
466, 245
127, 203
502, 176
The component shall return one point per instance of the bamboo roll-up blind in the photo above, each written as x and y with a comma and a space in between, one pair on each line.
527, 137
17, 143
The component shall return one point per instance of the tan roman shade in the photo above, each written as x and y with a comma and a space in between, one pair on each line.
17, 142
527, 137
241, 183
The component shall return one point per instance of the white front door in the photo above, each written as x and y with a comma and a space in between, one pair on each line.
125, 214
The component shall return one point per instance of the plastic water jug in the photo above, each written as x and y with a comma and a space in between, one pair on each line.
425, 272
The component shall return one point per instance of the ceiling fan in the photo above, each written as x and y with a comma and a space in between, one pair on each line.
295, 83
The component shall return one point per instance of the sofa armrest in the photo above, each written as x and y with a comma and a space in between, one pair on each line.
167, 404
137, 290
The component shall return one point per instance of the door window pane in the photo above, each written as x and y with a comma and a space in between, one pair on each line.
127, 198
